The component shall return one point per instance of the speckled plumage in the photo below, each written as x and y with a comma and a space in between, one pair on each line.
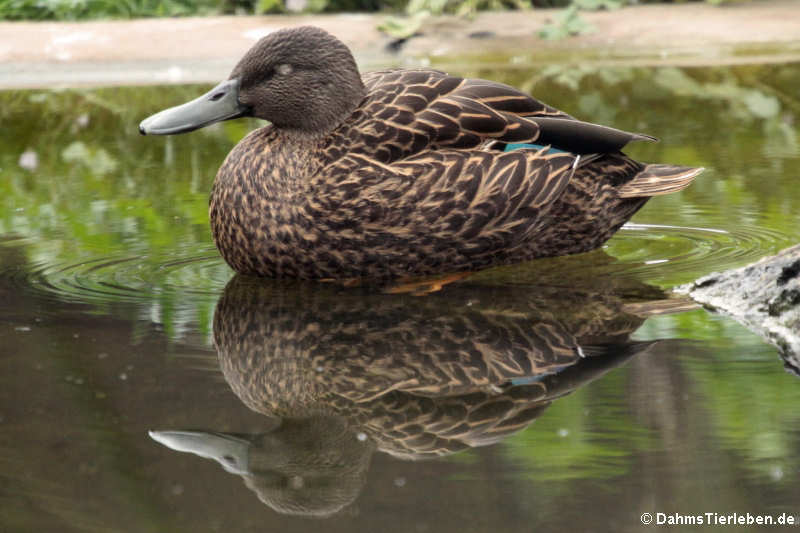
411, 177
421, 377
344, 372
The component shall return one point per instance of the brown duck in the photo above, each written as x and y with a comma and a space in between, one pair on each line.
343, 373
404, 172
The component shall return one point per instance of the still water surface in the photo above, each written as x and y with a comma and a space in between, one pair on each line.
564, 394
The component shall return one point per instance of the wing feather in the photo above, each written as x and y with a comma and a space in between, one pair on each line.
423, 110
470, 203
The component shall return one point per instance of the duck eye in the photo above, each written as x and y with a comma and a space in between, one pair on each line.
284, 69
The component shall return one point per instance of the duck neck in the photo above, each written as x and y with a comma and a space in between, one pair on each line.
322, 116
272, 164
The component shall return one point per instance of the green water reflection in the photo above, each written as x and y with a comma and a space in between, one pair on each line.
110, 281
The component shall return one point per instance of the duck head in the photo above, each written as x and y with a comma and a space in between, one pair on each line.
298, 79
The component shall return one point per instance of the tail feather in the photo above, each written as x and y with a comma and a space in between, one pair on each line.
659, 179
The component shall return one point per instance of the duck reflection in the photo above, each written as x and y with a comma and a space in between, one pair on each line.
343, 372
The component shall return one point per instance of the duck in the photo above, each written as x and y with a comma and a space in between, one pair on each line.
403, 172
291, 349
342, 373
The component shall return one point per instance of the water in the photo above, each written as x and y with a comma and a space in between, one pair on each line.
564, 393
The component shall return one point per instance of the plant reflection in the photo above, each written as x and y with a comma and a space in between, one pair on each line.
344, 372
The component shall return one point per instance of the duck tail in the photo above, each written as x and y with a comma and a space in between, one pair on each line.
654, 180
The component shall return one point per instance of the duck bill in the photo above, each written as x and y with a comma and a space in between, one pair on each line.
218, 104
230, 451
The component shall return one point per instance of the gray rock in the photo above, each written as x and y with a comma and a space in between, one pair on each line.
764, 296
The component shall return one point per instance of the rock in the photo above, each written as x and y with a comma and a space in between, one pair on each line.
764, 296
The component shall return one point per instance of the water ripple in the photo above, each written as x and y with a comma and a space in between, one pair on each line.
133, 278
655, 250
654, 253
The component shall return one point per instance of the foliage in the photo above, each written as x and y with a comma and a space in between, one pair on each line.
94, 9
85, 9
594, 5
568, 24
417, 11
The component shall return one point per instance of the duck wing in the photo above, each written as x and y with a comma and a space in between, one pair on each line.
407, 112
440, 207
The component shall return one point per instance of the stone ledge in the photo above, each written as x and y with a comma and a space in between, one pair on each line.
764, 296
